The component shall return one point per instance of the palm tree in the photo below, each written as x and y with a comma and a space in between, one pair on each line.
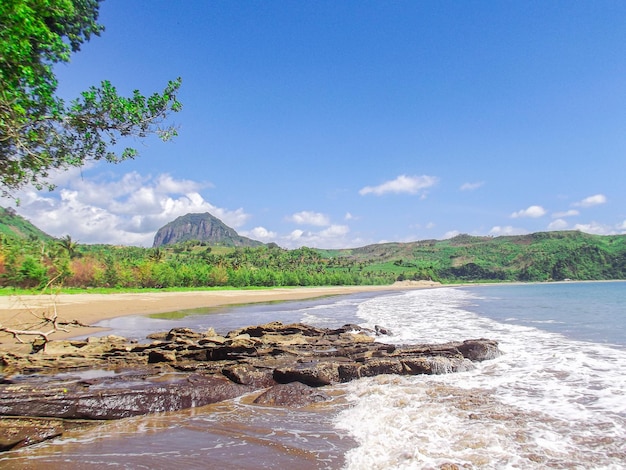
68, 245
156, 255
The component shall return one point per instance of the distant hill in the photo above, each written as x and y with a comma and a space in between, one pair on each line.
16, 226
201, 227
533, 257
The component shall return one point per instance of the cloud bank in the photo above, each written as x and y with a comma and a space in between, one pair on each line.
124, 211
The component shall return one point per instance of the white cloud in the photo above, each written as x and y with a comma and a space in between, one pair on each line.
471, 186
402, 184
591, 201
260, 234
127, 210
450, 234
622, 226
570, 213
310, 218
335, 231
595, 228
532, 211
334, 236
507, 230
167, 184
295, 235
558, 224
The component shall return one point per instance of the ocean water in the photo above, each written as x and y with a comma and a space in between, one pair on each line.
556, 398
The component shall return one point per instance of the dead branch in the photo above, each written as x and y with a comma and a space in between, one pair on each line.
46, 319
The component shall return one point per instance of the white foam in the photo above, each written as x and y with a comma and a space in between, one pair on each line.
547, 401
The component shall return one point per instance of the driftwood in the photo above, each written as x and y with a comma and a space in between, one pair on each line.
56, 325
44, 319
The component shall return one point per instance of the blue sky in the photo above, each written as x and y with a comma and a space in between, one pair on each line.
339, 124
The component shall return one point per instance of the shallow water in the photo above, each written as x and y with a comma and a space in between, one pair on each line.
325, 312
232, 434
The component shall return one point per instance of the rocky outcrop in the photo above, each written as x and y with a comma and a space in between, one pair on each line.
16, 432
201, 227
110, 378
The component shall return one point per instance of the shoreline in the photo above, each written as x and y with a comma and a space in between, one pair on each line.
18, 312
26, 311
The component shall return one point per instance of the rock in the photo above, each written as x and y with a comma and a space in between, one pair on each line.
293, 394
247, 374
314, 374
381, 330
21, 432
111, 398
479, 349
377, 366
161, 356
183, 369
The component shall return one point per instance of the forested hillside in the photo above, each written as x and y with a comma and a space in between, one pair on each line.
539, 256
15, 226
31, 259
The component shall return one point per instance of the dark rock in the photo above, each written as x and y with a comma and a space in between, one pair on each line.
293, 394
479, 349
21, 432
381, 330
184, 369
176, 334
247, 374
161, 356
314, 374
112, 399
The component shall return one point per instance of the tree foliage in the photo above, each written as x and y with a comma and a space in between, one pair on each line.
39, 132
31, 262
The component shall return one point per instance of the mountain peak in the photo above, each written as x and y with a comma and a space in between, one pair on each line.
202, 227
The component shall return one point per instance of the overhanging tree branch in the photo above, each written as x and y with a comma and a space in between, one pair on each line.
38, 132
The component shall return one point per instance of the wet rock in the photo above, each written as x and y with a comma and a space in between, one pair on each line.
161, 356
111, 398
293, 394
21, 432
380, 366
183, 369
479, 349
381, 330
314, 374
248, 374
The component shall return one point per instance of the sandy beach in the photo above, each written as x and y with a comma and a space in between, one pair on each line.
25, 311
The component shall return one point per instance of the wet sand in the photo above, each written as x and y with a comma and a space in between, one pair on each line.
25, 311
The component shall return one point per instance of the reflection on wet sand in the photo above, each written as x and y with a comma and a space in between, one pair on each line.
233, 434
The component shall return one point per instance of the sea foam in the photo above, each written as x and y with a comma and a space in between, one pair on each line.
548, 401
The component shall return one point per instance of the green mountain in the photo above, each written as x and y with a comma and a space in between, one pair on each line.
16, 226
534, 257
201, 227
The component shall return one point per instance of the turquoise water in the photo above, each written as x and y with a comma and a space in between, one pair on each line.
588, 311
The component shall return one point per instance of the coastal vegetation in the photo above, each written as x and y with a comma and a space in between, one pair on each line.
30, 259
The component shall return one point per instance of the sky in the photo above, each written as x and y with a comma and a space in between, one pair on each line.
341, 124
